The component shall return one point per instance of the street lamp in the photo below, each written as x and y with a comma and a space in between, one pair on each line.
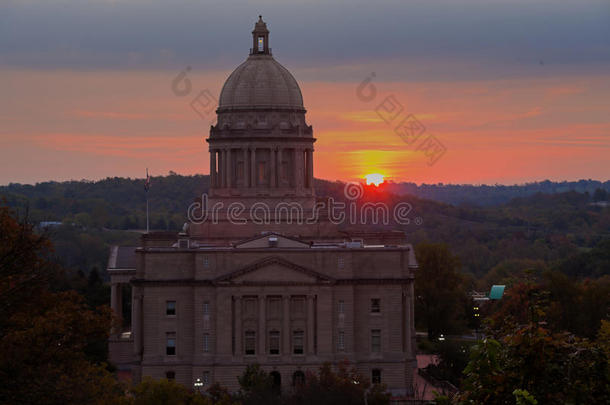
198, 383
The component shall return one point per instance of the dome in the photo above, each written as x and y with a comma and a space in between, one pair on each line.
261, 82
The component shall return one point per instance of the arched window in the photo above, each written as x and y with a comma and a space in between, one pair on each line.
277, 381
376, 376
298, 378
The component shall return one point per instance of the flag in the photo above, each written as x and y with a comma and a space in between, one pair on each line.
147, 182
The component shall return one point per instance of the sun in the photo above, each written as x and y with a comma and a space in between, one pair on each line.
374, 178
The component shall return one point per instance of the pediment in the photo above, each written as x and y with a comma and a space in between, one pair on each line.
271, 240
274, 270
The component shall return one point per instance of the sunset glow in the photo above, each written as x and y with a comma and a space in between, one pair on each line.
488, 114
374, 178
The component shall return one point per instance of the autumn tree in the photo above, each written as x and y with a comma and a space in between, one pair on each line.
165, 392
343, 386
45, 335
256, 387
533, 364
440, 297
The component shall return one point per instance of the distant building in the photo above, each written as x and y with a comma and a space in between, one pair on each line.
220, 295
49, 224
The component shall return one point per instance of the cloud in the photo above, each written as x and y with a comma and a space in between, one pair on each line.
416, 40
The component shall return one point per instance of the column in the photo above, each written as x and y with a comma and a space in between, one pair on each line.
253, 167
310, 324
224, 168
408, 342
262, 325
137, 321
246, 169
116, 305
213, 168
310, 168
280, 168
295, 167
238, 331
411, 324
272, 183
221, 171
229, 169
286, 325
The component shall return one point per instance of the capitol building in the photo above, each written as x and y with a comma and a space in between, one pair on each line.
289, 295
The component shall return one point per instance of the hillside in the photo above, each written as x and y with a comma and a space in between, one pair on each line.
535, 230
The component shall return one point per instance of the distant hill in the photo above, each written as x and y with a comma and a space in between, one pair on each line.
564, 225
486, 195
119, 203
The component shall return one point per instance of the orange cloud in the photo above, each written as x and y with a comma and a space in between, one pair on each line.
493, 131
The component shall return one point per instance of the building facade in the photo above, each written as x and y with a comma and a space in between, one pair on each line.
284, 292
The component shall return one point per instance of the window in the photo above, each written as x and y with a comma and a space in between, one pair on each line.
206, 377
250, 342
376, 376
206, 342
261, 44
298, 378
341, 307
274, 342
376, 341
206, 262
206, 308
170, 346
340, 262
170, 375
297, 341
375, 305
277, 382
341, 341
170, 308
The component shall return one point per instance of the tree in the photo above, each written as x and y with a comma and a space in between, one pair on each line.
219, 395
45, 336
25, 270
165, 392
533, 364
345, 386
563, 303
439, 293
256, 387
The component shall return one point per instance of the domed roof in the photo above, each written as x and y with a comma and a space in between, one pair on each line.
261, 82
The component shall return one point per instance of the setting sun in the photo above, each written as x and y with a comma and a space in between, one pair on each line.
374, 178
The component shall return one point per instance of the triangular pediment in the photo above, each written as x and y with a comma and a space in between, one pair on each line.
274, 270
271, 240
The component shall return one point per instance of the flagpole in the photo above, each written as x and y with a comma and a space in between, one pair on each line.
146, 187
146, 211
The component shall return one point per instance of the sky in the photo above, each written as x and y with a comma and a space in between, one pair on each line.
487, 91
